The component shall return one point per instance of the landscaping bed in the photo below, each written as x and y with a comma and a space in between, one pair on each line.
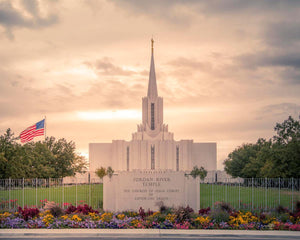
51, 216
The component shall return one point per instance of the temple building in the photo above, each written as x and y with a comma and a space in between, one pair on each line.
153, 147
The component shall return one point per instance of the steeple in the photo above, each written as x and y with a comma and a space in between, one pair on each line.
152, 126
152, 87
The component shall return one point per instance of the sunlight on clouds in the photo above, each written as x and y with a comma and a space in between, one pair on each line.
79, 71
119, 114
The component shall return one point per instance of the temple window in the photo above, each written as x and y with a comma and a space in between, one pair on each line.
152, 157
152, 116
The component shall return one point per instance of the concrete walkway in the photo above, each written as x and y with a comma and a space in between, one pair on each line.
145, 233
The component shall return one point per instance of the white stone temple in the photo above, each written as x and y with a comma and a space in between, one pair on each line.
152, 147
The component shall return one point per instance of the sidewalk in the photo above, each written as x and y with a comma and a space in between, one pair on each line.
155, 233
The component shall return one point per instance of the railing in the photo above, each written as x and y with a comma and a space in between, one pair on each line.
36, 192
256, 194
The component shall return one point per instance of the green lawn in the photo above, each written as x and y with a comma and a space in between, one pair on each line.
247, 197
239, 197
91, 194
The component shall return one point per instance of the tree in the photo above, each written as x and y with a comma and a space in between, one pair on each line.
110, 172
42, 159
101, 172
10, 165
198, 172
79, 164
65, 161
244, 156
277, 157
287, 132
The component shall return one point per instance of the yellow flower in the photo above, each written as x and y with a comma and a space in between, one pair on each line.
275, 222
76, 218
42, 214
202, 220
4, 215
94, 216
135, 222
155, 213
121, 216
48, 219
171, 217
268, 220
106, 217
132, 214
242, 218
64, 217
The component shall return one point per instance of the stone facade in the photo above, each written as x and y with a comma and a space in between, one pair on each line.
150, 189
152, 147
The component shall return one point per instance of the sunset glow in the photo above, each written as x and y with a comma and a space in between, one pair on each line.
228, 71
119, 114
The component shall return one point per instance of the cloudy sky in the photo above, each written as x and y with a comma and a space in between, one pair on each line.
227, 70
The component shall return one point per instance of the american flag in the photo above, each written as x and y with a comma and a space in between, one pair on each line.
33, 131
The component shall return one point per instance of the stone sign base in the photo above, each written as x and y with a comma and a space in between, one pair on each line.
150, 189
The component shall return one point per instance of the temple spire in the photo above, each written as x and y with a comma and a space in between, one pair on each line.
152, 87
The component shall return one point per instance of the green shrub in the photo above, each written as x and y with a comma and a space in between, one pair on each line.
183, 214
219, 215
55, 210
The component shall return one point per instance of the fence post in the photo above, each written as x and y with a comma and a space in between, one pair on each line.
239, 194
63, 196
23, 202
266, 193
226, 187
199, 193
90, 193
76, 192
292, 194
252, 195
36, 192
279, 191
9, 183
49, 189
212, 194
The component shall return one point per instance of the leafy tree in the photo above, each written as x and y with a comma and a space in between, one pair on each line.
198, 172
110, 172
49, 158
261, 152
101, 172
9, 149
241, 157
278, 157
287, 132
65, 161
79, 165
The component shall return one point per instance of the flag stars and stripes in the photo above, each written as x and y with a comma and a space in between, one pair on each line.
35, 130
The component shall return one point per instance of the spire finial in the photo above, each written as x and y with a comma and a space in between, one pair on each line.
152, 43
152, 88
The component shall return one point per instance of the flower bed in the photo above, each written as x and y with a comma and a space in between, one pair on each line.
83, 216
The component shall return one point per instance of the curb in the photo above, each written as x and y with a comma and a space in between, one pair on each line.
155, 233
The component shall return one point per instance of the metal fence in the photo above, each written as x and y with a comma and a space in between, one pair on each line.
36, 192
255, 194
